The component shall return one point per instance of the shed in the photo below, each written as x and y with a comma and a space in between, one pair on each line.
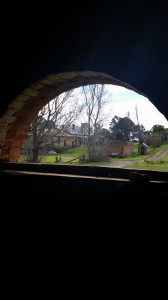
118, 149
143, 149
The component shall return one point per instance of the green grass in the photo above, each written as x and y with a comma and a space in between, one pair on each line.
72, 153
137, 156
66, 155
51, 159
165, 158
97, 163
21, 159
161, 166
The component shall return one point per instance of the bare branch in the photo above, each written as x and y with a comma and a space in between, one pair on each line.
53, 119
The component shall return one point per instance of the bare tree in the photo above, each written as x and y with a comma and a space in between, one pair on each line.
95, 97
138, 127
128, 114
52, 120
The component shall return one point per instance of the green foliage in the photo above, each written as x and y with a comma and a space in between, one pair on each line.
161, 165
121, 128
154, 140
158, 129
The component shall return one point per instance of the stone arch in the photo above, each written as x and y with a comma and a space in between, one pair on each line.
26, 105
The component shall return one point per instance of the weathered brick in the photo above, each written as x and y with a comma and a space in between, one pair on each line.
68, 75
37, 86
54, 77
88, 74
30, 92
2, 134
16, 105
8, 143
17, 143
12, 111
14, 153
8, 119
10, 134
21, 98
46, 81
3, 126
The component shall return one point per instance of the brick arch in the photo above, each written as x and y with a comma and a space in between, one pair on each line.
26, 105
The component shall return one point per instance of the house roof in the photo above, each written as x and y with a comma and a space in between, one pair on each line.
144, 145
75, 129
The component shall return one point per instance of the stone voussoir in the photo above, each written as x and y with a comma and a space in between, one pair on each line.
68, 75
30, 92
16, 105
37, 86
7, 119
21, 98
46, 81
54, 77
3, 126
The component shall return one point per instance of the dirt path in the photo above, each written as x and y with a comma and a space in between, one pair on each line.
159, 154
156, 156
120, 164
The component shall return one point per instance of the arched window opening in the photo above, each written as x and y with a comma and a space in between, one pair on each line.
98, 125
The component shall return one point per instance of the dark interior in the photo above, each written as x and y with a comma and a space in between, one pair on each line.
128, 42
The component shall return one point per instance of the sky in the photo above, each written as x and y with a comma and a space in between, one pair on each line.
123, 101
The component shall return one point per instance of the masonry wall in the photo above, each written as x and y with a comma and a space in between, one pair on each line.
66, 142
123, 149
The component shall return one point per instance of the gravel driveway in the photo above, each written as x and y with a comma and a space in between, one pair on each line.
159, 154
156, 156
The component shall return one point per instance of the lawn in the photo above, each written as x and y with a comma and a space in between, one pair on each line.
161, 165
165, 158
136, 155
75, 152
65, 156
72, 153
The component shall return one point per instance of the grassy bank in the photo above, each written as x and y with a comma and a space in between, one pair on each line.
159, 165
65, 156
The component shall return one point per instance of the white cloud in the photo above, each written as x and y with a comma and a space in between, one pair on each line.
124, 101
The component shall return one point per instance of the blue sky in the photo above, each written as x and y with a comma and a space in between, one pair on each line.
124, 101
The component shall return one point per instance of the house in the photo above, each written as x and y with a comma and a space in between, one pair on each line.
73, 136
80, 132
65, 141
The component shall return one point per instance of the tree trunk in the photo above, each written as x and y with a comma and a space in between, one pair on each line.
35, 154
